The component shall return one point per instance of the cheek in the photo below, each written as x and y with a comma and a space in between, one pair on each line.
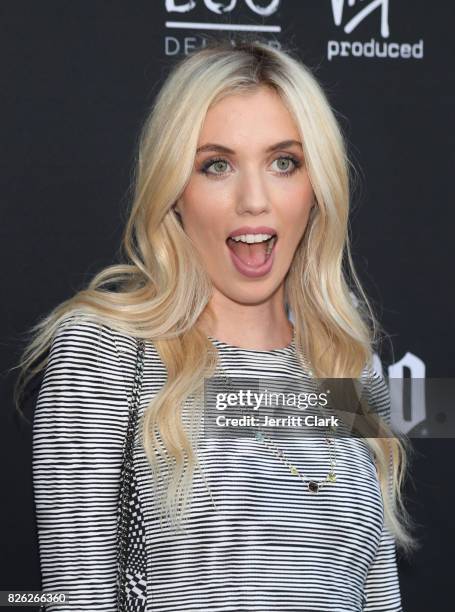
203, 227
200, 235
296, 217
204, 216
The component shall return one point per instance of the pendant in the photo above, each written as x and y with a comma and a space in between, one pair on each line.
260, 436
313, 486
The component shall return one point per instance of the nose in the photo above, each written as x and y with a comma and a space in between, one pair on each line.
252, 196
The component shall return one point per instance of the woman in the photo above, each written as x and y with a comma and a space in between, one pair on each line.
239, 222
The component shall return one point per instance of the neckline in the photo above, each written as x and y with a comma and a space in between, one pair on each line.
289, 348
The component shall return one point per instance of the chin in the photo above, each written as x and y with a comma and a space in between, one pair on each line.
250, 292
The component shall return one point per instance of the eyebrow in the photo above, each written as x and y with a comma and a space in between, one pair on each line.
210, 146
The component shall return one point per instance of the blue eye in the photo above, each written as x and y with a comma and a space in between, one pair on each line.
220, 160
289, 158
212, 162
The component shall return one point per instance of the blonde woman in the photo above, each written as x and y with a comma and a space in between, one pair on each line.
233, 258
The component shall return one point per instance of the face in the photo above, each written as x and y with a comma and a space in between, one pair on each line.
249, 179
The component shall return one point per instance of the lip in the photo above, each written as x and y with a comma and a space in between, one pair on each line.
246, 229
253, 271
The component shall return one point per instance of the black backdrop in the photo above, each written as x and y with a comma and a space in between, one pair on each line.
77, 80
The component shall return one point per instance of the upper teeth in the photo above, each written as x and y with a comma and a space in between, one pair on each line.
250, 238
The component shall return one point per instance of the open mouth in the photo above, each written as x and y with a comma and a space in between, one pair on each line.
252, 253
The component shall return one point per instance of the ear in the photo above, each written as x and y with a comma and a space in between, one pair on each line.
176, 209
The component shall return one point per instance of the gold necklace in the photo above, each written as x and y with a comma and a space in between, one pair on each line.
313, 485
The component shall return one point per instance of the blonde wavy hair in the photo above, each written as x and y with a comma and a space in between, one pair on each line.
160, 289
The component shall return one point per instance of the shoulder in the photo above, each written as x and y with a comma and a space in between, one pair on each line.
85, 333
82, 341
79, 331
92, 342
377, 390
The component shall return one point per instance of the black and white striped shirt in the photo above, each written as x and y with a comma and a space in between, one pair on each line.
269, 545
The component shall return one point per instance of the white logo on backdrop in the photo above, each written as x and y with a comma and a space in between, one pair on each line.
378, 9
418, 412
217, 7
343, 18
175, 44
349, 26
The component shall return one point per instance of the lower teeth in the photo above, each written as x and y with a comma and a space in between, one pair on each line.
269, 247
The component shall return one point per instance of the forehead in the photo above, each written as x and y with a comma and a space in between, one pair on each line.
259, 116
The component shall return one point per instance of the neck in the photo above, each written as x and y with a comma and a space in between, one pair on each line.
257, 327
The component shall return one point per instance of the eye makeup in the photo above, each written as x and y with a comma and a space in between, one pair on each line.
204, 169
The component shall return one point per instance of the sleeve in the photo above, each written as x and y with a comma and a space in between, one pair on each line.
78, 435
382, 587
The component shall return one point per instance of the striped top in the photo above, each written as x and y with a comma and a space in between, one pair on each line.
266, 544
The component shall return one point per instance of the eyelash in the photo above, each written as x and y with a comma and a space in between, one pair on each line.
297, 164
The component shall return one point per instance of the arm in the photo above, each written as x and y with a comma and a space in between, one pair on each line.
78, 436
382, 588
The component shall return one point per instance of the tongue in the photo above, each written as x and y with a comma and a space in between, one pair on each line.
250, 254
